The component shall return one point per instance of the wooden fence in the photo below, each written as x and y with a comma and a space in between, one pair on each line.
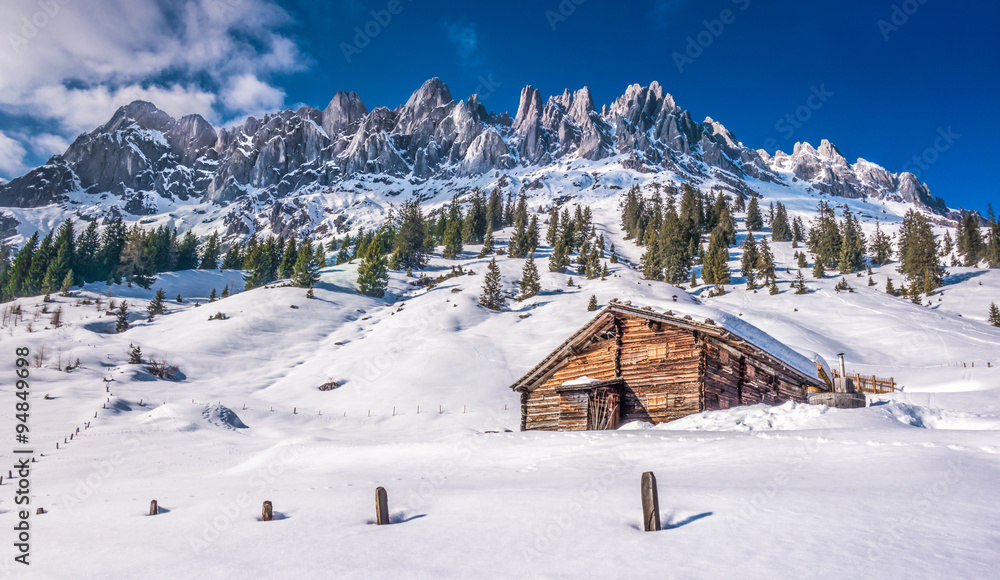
871, 383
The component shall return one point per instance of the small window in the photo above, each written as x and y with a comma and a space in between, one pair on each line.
656, 401
657, 351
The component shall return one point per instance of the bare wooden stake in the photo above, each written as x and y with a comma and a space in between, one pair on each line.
39, 511
381, 507
295, 410
650, 503
266, 512
154, 509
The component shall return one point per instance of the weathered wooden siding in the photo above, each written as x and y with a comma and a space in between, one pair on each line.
661, 368
738, 376
542, 408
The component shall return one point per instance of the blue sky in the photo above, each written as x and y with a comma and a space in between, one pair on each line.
895, 77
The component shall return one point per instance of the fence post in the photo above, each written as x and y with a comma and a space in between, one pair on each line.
650, 503
381, 507
266, 512
154, 509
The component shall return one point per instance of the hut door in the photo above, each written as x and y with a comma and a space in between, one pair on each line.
603, 411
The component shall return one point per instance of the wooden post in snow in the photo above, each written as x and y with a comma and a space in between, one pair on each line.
650, 503
381, 507
266, 512
154, 509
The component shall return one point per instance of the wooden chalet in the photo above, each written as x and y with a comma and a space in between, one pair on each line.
632, 364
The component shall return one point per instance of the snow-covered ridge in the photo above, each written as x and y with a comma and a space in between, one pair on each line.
144, 165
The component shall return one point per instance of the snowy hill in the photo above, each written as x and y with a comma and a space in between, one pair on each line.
421, 405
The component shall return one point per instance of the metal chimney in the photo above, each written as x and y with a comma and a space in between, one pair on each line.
843, 371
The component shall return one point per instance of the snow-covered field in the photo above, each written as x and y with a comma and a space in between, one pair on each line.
905, 488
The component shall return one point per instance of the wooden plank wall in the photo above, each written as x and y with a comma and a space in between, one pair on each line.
542, 408
661, 368
740, 376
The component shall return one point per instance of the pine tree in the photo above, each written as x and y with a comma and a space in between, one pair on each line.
288, 258
210, 255
781, 231
604, 271
233, 259
970, 239
715, 269
344, 255
56, 319
453, 240
824, 237
765, 260
487, 243
134, 355
305, 272
373, 272
492, 296
185, 253
179, 299
559, 259
67, 284
121, 324
225, 291
802, 262
553, 230
530, 281
871, 281
749, 260
918, 254
991, 250
889, 288
800, 283
592, 303
410, 237
156, 304
694, 279
755, 222
309, 292
994, 314
818, 270
614, 254
772, 288
651, 267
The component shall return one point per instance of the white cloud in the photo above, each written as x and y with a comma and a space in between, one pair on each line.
78, 62
465, 38
249, 94
48, 144
12, 154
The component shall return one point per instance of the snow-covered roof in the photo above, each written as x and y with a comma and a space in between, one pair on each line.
726, 328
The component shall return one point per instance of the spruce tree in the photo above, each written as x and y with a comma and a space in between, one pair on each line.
765, 260
225, 291
614, 255
749, 260
592, 303
818, 270
156, 305
559, 259
800, 283
991, 250
755, 222
994, 314
213, 296
530, 281
134, 355
492, 296
651, 266
344, 255
67, 284
288, 258
781, 231
918, 254
772, 288
802, 261
121, 323
410, 237
715, 269
824, 237
453, 240
970, 239
305, 272
309, 292
889, 288
210, 255
487, 243
373, 272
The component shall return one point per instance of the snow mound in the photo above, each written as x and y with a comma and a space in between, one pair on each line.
181, 417
786, 417
927, 418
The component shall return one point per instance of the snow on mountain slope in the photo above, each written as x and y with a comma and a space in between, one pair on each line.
903, 485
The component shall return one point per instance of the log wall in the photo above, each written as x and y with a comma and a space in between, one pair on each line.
740, 376
661, 366
596, 361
